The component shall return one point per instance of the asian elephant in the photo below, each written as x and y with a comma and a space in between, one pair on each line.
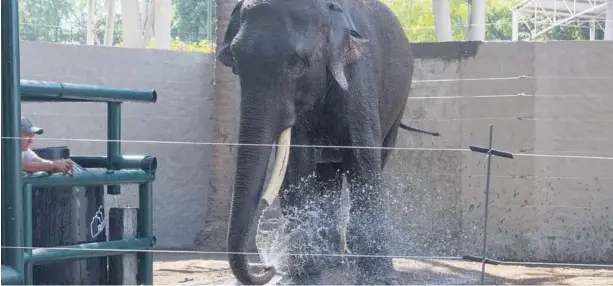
326, 73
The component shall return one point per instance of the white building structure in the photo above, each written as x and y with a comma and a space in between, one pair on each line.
541, 16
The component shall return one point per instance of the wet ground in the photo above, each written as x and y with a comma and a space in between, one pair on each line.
197, 270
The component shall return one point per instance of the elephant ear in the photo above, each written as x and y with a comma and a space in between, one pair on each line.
346, 44
225, 55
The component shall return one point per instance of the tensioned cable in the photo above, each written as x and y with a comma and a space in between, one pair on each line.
312, 146
240, 253
521, 77
195, 252
412, 120
409, 97
432, 27
520, 94
510, 78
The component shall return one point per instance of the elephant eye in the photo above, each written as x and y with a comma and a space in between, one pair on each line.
294, 60
297, 63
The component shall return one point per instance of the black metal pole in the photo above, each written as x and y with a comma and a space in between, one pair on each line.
490, 152
487, 200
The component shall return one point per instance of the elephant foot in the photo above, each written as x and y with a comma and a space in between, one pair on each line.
320, 249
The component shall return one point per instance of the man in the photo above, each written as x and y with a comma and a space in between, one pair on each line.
30, 161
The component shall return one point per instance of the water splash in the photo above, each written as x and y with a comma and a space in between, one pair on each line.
422, 213
307, 228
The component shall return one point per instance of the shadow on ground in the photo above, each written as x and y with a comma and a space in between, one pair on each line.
199, 269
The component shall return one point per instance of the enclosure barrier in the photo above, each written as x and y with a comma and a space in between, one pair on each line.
119, 170
18, 254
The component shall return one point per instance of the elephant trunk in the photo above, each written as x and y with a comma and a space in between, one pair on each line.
252, 162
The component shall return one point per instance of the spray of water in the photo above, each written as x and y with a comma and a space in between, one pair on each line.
417, 209
311, 227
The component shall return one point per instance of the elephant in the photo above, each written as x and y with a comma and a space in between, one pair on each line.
334, 74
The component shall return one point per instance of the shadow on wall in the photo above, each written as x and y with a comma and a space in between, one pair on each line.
446, 51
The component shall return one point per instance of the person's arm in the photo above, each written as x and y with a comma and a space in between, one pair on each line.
32, 163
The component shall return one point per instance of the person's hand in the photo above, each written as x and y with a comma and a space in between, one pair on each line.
64, 166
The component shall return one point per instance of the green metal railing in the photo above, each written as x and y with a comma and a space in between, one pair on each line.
18, 254
12, 214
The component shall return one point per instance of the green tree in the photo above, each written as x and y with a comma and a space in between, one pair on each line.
47, 20
418, 21
499, 20
191, 22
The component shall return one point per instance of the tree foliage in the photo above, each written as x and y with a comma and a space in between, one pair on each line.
191, 23
203, 46
64, 21
46, 20
418, 21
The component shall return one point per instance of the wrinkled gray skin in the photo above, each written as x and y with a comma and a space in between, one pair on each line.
338, 72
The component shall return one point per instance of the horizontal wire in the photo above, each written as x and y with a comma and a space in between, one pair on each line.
481, 175
469, 79
240, 144
453, 25
510, 95
102, 28
25, 76
520, 94
312, 146
412, 120
413, 81
533, 204
413, 257
235, 253
563, 156
511, 78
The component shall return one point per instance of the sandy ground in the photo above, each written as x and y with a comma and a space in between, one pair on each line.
175, 269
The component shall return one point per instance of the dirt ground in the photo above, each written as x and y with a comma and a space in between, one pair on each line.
193, 270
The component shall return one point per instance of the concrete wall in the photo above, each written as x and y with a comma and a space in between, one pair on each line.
546, 209
541, 208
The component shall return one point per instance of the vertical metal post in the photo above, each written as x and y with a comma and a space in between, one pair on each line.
608, 27
442, 19
490, 152
487, 200
113, 145
12, 192
477, 20
515, 28
27, 225
145, 229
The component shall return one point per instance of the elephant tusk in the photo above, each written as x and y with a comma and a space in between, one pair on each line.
278, 173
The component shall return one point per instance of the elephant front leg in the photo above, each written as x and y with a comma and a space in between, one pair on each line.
368, 231
299, 204
330, 183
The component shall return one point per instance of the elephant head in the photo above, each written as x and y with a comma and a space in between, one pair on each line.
288, 55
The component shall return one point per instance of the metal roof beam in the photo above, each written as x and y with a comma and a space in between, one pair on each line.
564, 13
567, 19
